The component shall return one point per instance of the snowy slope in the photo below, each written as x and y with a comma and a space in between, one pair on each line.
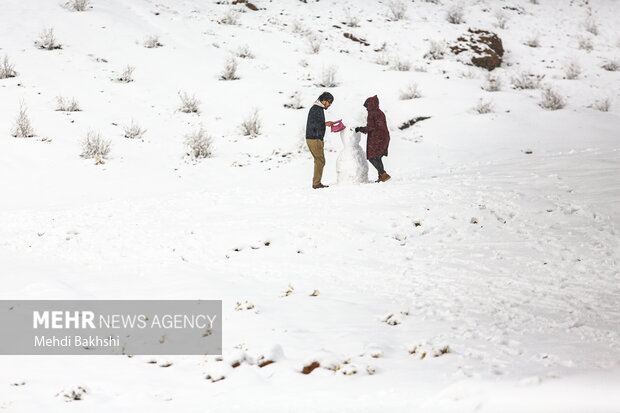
505, 261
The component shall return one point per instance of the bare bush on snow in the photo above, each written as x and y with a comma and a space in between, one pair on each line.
611, 65
412, 91
199, 144
47, 40
590, 23
7, 69
244, 52
295, 102
94, 146
297, 27
383, 58
189, 104
350, 19
492, 83
314, 43
230, 70
401, 65
525, 80
585, 43
572, 69
483, 107
252, 125
126, 76
23, 128
231, 17
501, 19
328, 77
133, 131
152, 42
551, 100
455, 14
436, 50
469, 74
67, 104
397, 10
78, 5
602, 104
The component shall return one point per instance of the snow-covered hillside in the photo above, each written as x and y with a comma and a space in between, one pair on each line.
482, 277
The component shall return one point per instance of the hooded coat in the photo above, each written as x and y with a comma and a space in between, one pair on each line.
376, 129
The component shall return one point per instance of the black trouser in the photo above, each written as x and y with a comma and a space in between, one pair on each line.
378, 164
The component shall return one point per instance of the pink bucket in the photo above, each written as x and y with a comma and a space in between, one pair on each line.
338, 126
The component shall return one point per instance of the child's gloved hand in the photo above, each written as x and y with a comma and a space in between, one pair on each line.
358, 129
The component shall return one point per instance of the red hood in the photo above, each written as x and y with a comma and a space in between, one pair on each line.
372, 103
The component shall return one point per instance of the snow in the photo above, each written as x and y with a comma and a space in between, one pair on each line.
351, 165
479, 278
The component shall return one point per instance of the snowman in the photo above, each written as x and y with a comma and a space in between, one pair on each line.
351, 166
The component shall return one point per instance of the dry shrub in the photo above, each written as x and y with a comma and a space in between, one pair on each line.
152, 42
23, 128
199, 144
455, 14
47, 40
295, 102
611, 66
585, 43
397, 10
412, 91
314, 43
436, 50
551, 100
231, 18
525, 81
252, 125
189, 104
483, 107
67, 104
7, 70
328, 77
94, 146
78, 5
244, 52
230, 70
133, 131
126, 75
572, 70
492, 83
602, 104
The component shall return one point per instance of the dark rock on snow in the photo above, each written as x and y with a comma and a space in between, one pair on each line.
480, 48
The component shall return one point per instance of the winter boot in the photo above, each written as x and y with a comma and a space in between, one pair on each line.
319, 186
383, 177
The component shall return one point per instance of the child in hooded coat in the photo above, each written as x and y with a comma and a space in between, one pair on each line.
378, 136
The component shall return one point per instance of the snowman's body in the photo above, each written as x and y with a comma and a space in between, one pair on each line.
351, 166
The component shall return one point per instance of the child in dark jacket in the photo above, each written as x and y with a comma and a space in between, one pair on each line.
378, 136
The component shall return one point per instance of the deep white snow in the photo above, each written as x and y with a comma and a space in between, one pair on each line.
351, 165
482, 277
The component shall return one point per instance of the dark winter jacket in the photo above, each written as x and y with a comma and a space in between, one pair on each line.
377, 130
315, 126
